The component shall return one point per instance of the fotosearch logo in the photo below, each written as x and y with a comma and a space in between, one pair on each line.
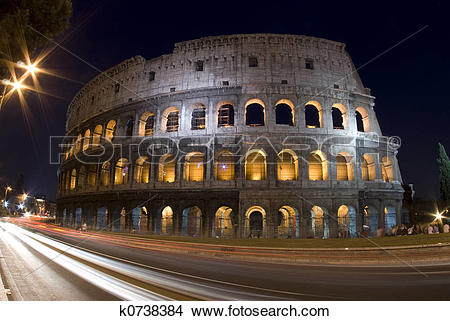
89, 150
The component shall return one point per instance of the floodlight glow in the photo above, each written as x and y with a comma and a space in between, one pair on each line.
21, 206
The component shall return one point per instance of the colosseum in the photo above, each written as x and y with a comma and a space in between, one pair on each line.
238, 136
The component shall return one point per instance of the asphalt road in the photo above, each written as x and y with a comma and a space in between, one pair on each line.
189, 277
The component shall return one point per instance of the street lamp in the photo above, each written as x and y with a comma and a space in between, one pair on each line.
7, 189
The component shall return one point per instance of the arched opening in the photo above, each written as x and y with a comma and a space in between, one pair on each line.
166, 168
96, 136
255, 219
92, 174
318, 167
362, 120
142, 170
287, 166
78, 217
87, 139
170, 121
198, 119
254, 113
191, 221
72, 145
121, 172
81, 181
73, 179
164, 221
102, 218
390, 218
346, 221
78, 143
105, 174
344, 167
368, 168
255, 165
129, 127
319, 223
225, 115
287, 222
147, 124
313, 114
388, 170
224, 166
193, 167
285, 112
370, 225
339, 115
68, 180
223, 224
110, 129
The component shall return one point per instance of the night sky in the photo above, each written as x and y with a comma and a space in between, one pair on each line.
410, 82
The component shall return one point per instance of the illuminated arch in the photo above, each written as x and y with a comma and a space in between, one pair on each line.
255, 165
313, 114
388, 169
223, 225
147, 124
105, 174
142, 170
255, 222
110, 129
368, 170
390, 218
224, 166
225, 114
73, 179
87, 139
121, 172
96, 135
166, 223
287, 165
340, 116
346, 216
319, 222
193, 167
287, 222
78, 144
362, 120
170, 120
318, 166
166, 168
198, 117
344, 167
255, 113
285, 112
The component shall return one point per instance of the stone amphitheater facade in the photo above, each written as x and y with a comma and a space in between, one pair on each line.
250, 135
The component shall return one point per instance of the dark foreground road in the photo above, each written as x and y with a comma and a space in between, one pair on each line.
99, 270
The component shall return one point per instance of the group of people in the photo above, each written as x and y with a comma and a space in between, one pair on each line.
397, 230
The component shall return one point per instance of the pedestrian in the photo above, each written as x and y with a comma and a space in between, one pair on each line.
84, 227
446, 228
430, 229
435, 229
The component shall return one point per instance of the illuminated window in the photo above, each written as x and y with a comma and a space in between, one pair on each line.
121, 172
388, 170
198, 117
78, 143
142, 170
255, 166
87, 139
98, 131
166, 220
225, 117
110, 130
368, 168
147, 124
362, 120
166, 169
73, 179
344, 167
170, 121
224, 166
287, 166
318, 167
254, 113
193, 167
105, 174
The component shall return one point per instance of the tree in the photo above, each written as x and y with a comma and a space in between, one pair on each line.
444, 174
18, 18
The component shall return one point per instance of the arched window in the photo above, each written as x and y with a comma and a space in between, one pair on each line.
254, 113
81, 177
110, 130
129, 128
72, 145
193, 167
170, 121
344, 167
87, 139
318, 167
142, 170
77, 144
362, 119
368, 168
105, 174
166, 168
388, 169
92, 174
224, 166
121, 172
284, 110
225, 115
313, 114
319, 222
339, 115
255, 165
96, 136
73, 179
67, 180
147, 124
198, 119
287, 166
